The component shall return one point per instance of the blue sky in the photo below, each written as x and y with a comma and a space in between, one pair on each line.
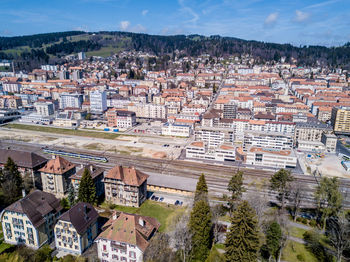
321, 22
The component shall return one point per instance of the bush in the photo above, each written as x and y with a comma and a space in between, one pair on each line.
299, 219
112, 206
313, 223
304, 221
300, 257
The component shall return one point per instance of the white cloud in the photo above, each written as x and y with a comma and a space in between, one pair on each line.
144, 12
271, 18
301, 16
124, 25
139, 29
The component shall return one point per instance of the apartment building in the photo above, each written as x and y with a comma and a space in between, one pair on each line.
330, 142
169, 129
126, 186
44, 108
55, 176
96, 175
214, 136
77, 228
271, 157
12, 87
310, 131
74, 100
200, 150
120, 118
268, 140
30, 221
125, 237
98, 101
340, 120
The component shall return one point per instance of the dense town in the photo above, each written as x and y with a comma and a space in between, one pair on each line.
64, 192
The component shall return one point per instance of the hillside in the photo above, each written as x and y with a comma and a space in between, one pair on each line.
31, 51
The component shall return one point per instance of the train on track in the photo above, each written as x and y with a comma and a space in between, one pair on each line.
75, 155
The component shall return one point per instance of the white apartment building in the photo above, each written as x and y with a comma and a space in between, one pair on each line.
268, 140
271, 157
70, 100
176, 130
12, 87
214, 136
98, 101
200, 150
149, 110
44, 108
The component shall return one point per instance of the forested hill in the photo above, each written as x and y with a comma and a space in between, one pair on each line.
29, 51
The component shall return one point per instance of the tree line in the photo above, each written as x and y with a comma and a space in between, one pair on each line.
258, 231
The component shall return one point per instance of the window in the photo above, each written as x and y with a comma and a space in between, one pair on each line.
104, 248
132, 254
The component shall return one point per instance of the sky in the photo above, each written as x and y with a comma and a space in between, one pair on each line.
298, 22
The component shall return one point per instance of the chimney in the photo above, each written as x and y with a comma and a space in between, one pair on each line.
141, 222
53, 156
91, 169
23, 193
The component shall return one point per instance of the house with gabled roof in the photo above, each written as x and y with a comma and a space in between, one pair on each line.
30, 220
55, 176
125, 186
77, 228
125, 237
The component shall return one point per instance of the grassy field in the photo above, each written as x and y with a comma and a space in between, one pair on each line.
163, 213
297, 232
104, 51
295, 252
63, 131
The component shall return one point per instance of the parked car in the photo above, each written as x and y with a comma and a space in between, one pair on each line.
161, 199
152, 197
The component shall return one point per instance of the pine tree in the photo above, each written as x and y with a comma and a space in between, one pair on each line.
200, 227
273, 239
242, 240
71, 195
281, 183
235, 187
201, 189
11, 180
87, 189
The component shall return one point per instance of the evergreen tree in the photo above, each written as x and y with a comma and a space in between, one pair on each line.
200, 227
87, 189
273, 239
71, 195
201, 189
280, 182
11, 181
242, 240
235, 187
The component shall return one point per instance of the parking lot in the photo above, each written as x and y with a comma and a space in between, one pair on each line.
170, 199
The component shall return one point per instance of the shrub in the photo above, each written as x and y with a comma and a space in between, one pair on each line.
304, 221
313, 223
112, 206
299, 219
300, 257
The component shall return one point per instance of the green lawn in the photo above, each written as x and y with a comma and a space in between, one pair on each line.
163, 213
293, 249
64, 131
4, 246
297, 232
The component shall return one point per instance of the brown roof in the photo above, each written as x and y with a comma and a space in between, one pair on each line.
59, 166
94, 171
131, 229
22, 158
129, 175
81, 215
36, 206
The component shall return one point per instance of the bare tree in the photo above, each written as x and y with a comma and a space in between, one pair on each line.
259, 202
217, 211
181, 238
297, 194
158, 249
339, 234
